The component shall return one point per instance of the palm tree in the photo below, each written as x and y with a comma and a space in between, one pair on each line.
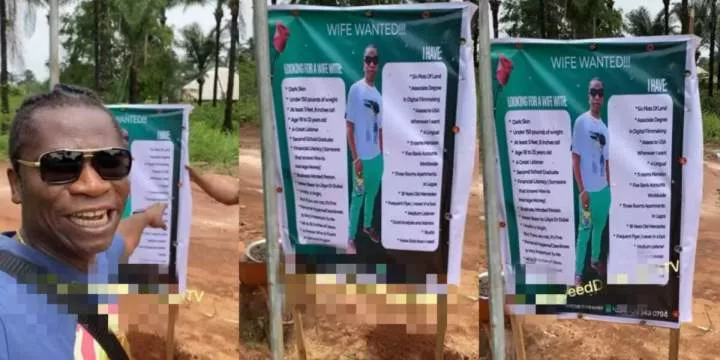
138, 19
10, 44
232, 59
701, 22
639, 22
199, 49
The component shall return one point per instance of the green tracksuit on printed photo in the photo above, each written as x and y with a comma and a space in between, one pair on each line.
599, 210
364, 198
364, 112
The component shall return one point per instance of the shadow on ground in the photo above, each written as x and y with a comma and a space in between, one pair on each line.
147, 346
390, 342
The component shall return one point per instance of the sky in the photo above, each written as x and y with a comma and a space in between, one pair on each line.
36, 46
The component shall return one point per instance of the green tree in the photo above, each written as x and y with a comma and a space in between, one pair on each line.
232, 60
199, 49
562, 18
142, 44
639, 22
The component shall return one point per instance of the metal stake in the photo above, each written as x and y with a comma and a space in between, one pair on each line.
262, 56
489, 172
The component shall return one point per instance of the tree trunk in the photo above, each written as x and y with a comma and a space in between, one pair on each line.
684, 16
666, 11
495, 7
713, 29
4, 64
542, 19
218, 19
133, 84
200, 88
96, 43
691, 21
234, 12
163, 16
160, 92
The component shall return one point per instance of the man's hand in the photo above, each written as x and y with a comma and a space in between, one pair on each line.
193, 174
358, 167
155, 216
132, 227
585, 199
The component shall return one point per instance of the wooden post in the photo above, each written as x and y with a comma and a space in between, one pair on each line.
691, 20
518, 336
299, 333
442, 312
170, 336
674, 353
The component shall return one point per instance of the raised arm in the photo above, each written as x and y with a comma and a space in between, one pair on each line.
220, 191
132, 227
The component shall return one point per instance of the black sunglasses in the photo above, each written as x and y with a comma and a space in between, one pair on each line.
597, 92
65, 166
372, 59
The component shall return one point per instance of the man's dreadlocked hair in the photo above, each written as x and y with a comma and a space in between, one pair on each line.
23, 124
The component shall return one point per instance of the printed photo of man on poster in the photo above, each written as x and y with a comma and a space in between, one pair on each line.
364, 134
591, 171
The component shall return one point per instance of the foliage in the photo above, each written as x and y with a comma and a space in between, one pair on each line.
207, 144
563, 19
711, 128
701, 22
199, 49
3, 146
639, 22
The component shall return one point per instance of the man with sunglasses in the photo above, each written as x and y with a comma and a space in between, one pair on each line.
591, 171
364, 134
69, 174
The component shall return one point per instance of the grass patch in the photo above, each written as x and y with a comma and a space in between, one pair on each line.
212, 146
3, 147
711, 128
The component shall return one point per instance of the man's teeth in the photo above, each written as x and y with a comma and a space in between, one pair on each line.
91, 218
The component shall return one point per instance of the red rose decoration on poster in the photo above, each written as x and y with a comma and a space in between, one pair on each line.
281, 36
504, 68
502, 74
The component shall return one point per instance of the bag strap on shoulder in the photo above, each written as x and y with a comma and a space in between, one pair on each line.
95, 324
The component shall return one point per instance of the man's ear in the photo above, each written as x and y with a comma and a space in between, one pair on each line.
15, 186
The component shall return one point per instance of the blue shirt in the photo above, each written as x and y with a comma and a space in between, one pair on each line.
364, 111
590, 142
30, 328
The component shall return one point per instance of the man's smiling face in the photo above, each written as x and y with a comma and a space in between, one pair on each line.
79, 219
